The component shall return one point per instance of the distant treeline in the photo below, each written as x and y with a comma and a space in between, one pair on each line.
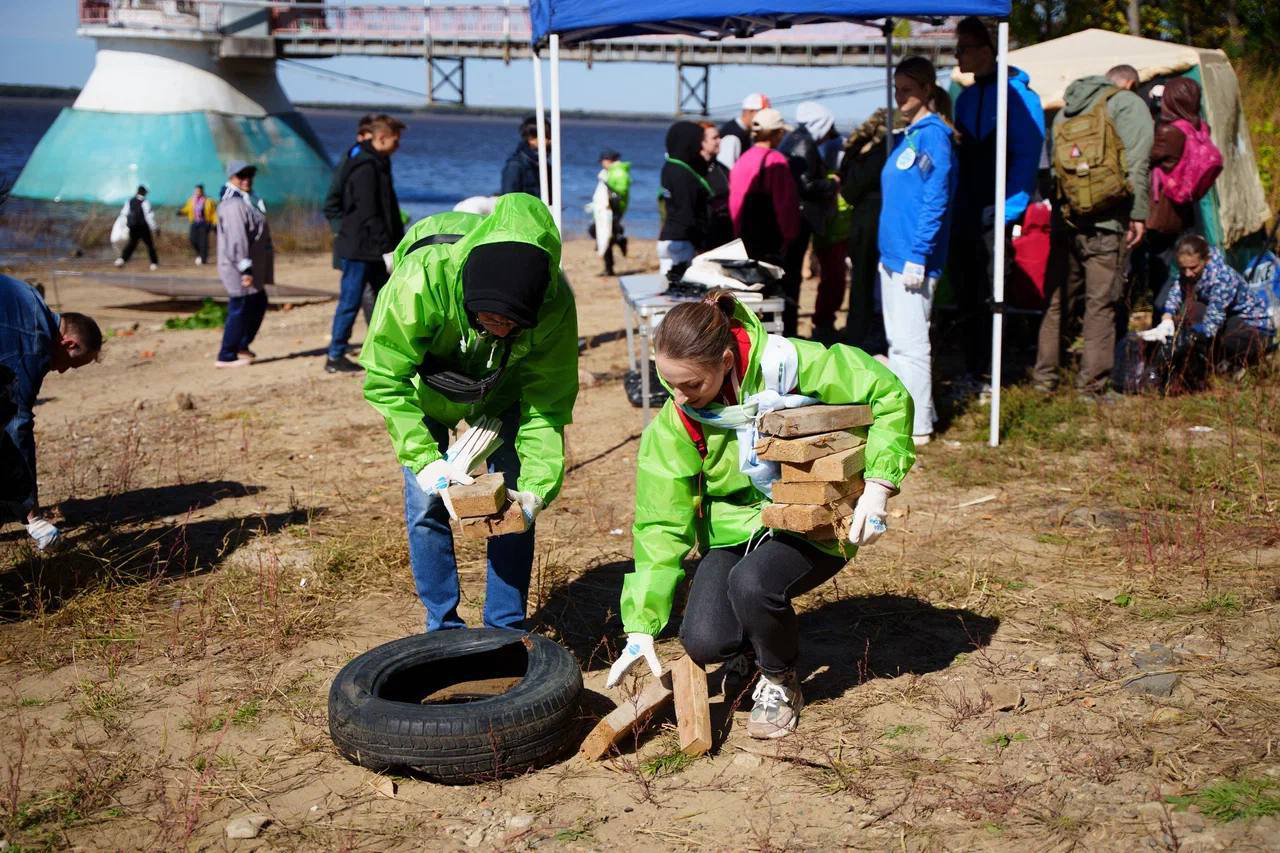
17, 90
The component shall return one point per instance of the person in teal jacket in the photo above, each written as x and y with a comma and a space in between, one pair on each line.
476, 320
699, 483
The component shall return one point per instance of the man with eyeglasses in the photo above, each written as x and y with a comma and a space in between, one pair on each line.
973, 225
476, 322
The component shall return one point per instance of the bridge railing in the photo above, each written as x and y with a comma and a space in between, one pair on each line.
322, 20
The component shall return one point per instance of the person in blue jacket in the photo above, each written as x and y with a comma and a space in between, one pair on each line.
974, 227
33, 341
918, 183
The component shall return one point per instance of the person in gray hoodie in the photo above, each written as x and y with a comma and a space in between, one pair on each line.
1090, 250
246, 262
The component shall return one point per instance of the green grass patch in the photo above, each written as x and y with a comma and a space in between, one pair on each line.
1233, 799
669, 763
210, 315
1006, 739
1052, 539
1223, 602
901, 730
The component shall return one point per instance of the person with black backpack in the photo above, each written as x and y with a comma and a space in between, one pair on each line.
141, 220
1100, 150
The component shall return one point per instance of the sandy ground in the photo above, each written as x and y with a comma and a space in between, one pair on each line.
966, 678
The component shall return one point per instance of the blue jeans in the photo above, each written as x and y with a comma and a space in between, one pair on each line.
431, 556
244, 318
355, 275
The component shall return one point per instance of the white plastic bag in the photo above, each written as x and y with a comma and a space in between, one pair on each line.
120, 232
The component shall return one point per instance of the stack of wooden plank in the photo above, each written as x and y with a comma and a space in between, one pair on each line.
821, 450
484, 510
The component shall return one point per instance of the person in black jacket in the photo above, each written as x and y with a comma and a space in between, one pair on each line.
370, 230
719, 222
864, 158
685, 199
520, 173
333, 198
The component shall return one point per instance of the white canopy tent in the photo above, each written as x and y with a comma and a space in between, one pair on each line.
586, 20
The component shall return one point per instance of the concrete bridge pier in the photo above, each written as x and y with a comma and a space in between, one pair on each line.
171, 100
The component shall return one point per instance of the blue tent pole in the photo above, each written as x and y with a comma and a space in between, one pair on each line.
998, 243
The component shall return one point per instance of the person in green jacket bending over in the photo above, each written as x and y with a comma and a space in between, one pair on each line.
698, 481
476, 320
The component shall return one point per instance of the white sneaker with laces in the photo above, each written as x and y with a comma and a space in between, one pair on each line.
119, 262
44, 533
777, 706
153, 267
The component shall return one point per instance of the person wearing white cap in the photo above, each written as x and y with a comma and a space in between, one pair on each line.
246, 262
817, 208
735, 134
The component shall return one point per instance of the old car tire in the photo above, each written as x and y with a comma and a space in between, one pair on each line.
377, 718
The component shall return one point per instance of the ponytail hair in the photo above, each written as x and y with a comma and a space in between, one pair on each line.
700, 332
938, 101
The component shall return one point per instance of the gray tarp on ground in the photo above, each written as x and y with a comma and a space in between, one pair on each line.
1052, 65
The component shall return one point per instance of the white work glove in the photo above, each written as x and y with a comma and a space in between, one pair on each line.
475, 445
437, 476
638, 646
389, 261
530, 504
912, 276
869, 514
44, 533
1162, 333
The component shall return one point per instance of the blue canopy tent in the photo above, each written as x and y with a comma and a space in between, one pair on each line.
557, 22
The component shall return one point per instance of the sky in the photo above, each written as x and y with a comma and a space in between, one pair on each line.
38, 45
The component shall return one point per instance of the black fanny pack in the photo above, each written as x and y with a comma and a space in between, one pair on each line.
457, 387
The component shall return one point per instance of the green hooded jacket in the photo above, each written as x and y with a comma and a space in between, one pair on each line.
420, 312
683, 499
618, 179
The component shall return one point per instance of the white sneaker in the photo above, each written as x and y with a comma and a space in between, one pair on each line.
777, 708
199, 261
921, 439
238, 362
153, 267
119, 262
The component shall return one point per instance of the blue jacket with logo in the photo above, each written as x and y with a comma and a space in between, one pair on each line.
918, 183
976, 120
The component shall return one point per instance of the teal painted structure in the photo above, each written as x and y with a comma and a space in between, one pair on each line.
88, 155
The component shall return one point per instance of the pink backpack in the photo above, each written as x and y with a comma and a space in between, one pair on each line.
1196, 170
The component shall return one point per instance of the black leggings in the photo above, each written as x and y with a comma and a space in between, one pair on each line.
740, 600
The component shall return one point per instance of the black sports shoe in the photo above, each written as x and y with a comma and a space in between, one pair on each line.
342, 364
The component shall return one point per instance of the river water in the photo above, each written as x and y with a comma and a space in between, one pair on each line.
442, 158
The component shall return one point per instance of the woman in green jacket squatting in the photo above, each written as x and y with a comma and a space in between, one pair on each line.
475, 320
698, 481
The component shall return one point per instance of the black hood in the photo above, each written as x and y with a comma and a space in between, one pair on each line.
684, 143
510, 279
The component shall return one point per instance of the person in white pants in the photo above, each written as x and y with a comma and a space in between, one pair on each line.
918, 183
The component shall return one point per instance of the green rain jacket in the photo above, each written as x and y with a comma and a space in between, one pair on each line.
618, 179
420, 313
683, 499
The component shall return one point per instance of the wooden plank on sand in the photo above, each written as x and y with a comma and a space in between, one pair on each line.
806, 448
836, 468
510, 520
810, 420
486, 496
815, 493
632, 711
693, 710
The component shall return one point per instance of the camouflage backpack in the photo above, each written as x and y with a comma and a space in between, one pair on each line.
1088, 161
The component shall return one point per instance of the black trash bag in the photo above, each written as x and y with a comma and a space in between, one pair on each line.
657, 393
